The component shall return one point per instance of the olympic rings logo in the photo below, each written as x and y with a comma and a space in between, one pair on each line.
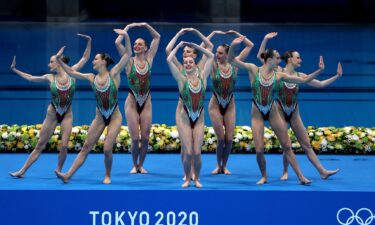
346, 216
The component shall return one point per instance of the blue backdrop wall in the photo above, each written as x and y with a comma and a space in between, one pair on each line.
349, 101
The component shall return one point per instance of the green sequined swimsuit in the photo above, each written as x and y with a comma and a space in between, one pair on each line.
223, 87
193, 99
106, 98
139, 84
264, 93
62, 97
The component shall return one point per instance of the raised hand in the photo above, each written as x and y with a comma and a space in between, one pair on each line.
270, 35
219, 32
13, 65
87, 37
232, 32
189, 29
339, 69
184, 43
60, 52
321, 63
119, 31
238, 40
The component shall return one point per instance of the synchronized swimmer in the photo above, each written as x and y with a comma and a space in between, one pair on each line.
274, 90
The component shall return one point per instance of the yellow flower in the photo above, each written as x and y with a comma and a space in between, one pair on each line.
20, 145
331, 138
31, 132
243, 144
327, 132
70, 145
316, 145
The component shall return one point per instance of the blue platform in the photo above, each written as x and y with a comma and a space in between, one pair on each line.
41, 199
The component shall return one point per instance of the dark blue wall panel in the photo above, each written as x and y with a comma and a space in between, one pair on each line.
349, 101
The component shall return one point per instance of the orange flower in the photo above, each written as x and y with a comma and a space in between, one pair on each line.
316, 145
331, 138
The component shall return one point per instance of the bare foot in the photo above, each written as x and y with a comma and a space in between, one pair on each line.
284, 176
262, 180
142, 170
17, 174
197, 184
216, 170
184, 178
134, 170
62, 176
326, 174
226, 171
107, 180
186, 184
305, 181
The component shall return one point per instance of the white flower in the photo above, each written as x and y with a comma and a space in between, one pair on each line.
238, 136
235, 140
311, 134
177, 140
75, 130
246, 128
37, 134
18, 134
174, 134
209, 141
248, 147
211, 131
83, 131
294, 145
118, 145
56, 131
267, 136
77, 146
13, 133
331, 147
347, 130
26, 147
319, 133
362, 135
5, 135
102, 137
367, 148
369, 131
355, 137
373, 139
324, 143
157, 139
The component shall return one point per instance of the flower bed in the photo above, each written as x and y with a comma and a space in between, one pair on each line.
163, 138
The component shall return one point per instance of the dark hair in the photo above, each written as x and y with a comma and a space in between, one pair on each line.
287, 55
196, 52
146, 44
65, 59
226, 47
107, 58
269, 53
